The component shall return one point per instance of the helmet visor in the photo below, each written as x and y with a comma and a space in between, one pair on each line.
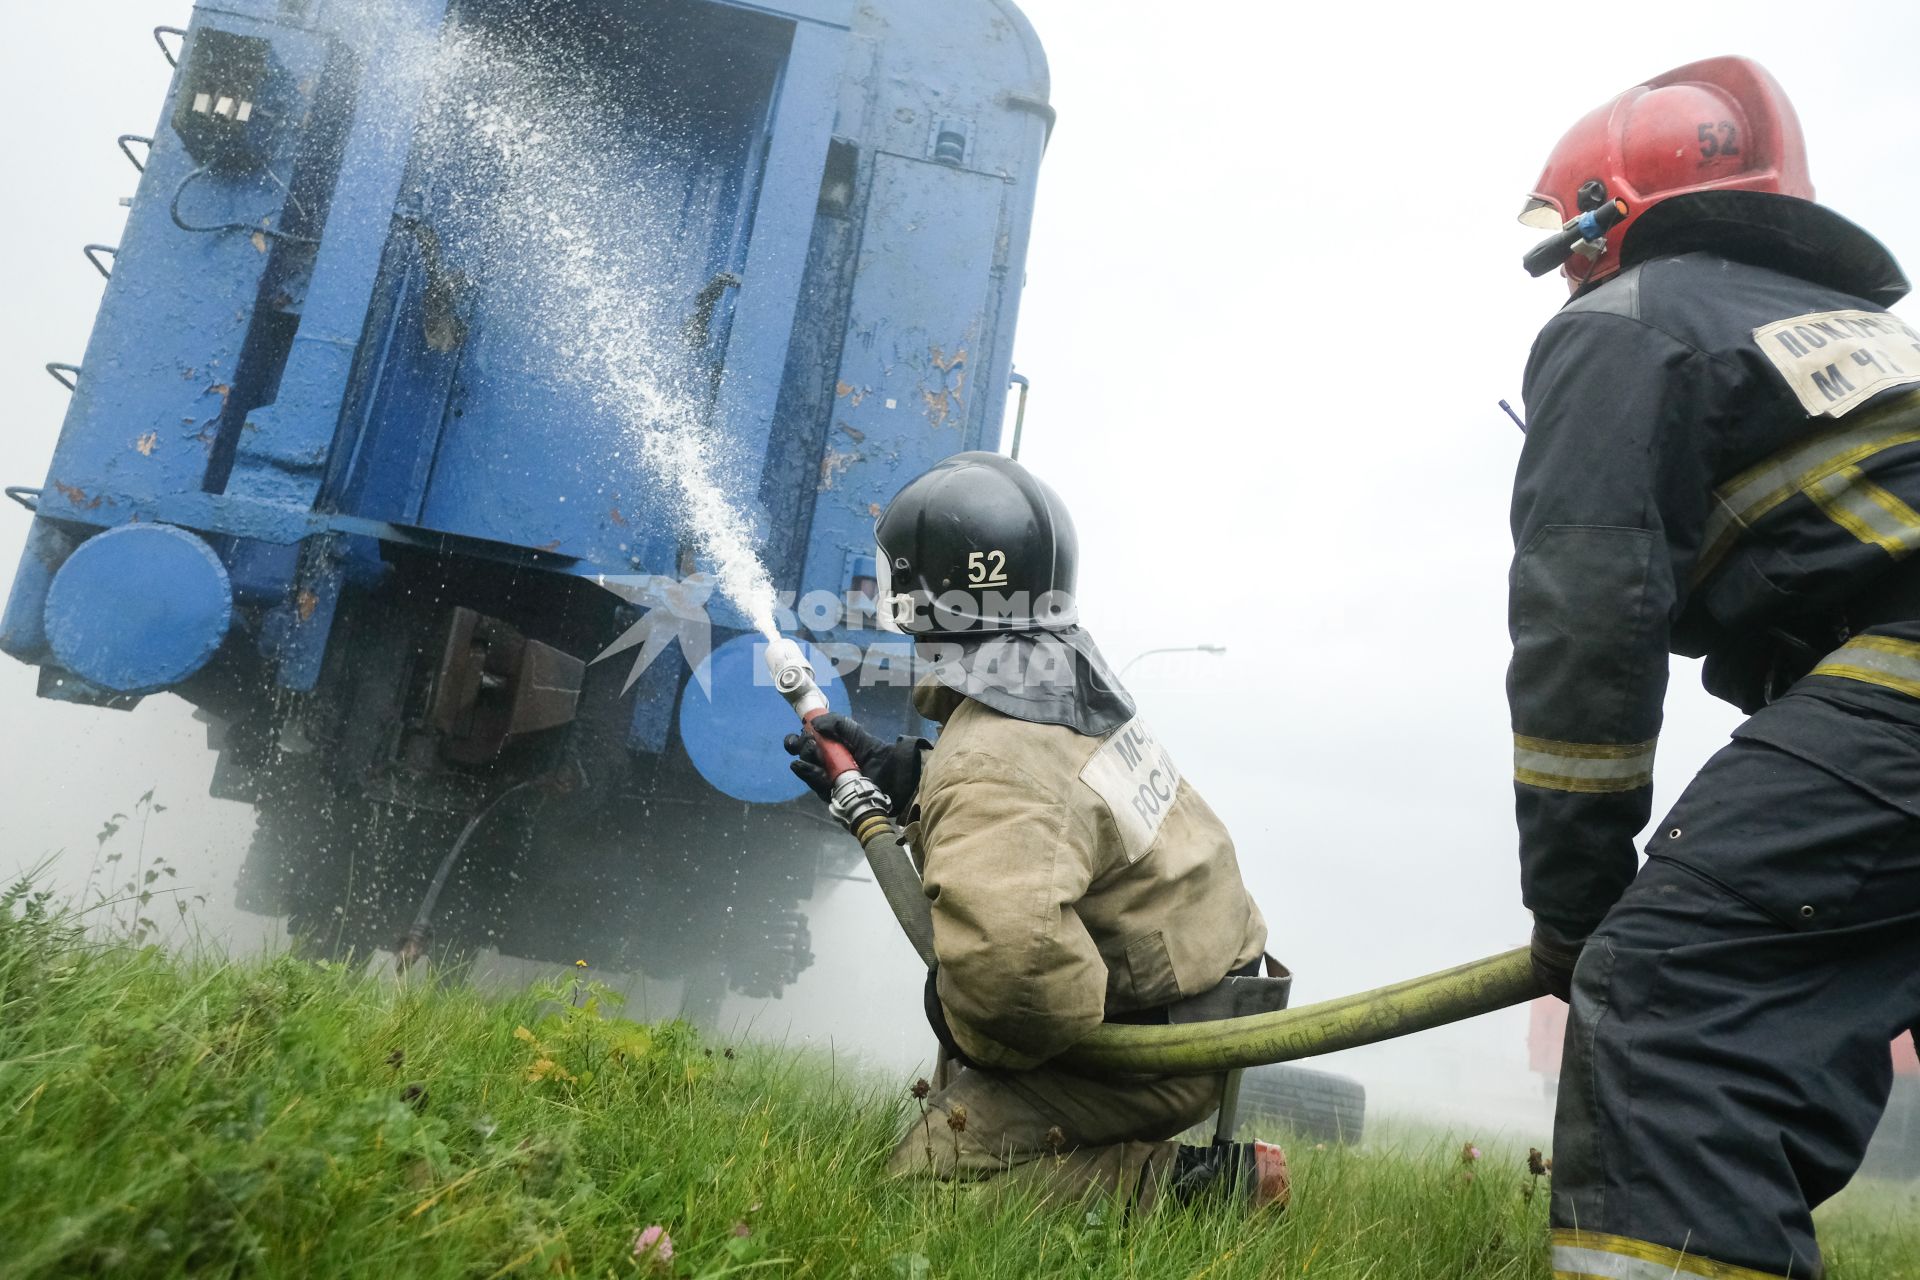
1542, 215
891, 612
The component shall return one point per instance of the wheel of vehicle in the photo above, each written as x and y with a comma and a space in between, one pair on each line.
1314, 1104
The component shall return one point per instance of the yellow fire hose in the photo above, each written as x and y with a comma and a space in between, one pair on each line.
1201, 1048
899, 881
1194, 1048
1418, 1004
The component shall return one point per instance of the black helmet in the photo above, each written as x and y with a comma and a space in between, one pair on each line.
978, 544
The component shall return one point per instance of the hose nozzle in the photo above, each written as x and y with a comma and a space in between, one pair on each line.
793, 677
855, 799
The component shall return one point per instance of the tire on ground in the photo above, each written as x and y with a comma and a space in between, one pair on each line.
1314, 1104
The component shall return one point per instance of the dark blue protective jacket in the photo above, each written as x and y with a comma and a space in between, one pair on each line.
1722, 460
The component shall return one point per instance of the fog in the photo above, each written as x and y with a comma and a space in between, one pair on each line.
1274, 297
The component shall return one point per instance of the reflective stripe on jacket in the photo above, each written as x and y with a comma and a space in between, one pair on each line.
1592, 1255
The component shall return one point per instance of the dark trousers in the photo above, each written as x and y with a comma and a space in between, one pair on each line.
1727, 1053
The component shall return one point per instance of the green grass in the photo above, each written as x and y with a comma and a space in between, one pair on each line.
161, 1117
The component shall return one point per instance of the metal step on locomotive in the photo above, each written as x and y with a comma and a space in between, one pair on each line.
328, 477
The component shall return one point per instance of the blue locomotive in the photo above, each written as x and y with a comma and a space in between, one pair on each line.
332, 476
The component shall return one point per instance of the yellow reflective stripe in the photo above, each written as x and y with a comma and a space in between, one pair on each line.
1592, 768
1878, 660
1592, 1255
1867, 511
1753, 493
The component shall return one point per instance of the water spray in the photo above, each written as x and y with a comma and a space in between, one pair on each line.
860, 806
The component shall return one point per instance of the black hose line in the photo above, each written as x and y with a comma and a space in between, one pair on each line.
414, 943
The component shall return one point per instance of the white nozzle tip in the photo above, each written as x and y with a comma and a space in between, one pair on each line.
785, 661
793, 676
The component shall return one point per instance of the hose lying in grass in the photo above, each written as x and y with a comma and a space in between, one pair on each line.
1201, 1048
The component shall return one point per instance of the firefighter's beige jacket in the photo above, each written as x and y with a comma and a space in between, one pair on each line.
1072, 878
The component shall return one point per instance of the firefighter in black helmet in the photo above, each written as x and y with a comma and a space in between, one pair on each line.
1722, 460
1075, 876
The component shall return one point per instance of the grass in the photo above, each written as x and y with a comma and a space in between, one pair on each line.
169, 1117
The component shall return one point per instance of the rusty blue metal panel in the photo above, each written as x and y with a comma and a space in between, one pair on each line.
167, 352
294, 632
956, 122
286, 446
501, 441
922, 321
23, 632
380, 470
783, 227
867, 170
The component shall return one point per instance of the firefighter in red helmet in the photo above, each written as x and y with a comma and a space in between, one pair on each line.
1722, 461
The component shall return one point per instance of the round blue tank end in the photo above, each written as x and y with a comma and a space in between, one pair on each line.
139, 608
733, 729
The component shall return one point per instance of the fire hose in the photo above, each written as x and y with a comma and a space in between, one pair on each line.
1195, 1048
859, 805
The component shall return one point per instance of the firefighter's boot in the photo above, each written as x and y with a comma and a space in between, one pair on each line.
1253, 1172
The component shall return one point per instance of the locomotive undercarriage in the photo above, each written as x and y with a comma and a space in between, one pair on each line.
576, 846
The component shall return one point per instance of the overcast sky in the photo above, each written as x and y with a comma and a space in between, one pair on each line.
1274, 298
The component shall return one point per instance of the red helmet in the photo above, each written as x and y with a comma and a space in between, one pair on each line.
1722, 124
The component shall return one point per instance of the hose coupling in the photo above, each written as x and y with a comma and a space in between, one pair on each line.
858, 804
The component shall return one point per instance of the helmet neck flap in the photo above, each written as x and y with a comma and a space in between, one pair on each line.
1045, 677
1777, 232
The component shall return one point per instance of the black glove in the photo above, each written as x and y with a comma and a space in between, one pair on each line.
1554, 956
893, 767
